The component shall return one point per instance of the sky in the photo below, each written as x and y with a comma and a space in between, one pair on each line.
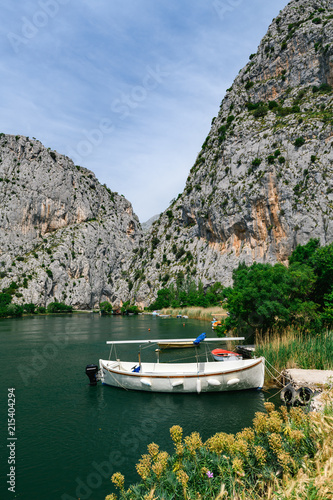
126, 88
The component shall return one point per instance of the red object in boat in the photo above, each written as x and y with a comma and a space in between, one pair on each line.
223, 353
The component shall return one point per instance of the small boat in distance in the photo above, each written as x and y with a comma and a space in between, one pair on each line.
181, 344
179, 377
223, 355
175, 345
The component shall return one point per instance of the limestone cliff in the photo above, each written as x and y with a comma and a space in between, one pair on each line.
263, 181
63, 235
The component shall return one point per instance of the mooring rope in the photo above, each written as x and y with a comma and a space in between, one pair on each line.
266, 361
273, 376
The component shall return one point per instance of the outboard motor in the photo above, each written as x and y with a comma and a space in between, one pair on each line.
91, 372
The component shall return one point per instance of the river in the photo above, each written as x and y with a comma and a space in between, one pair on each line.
71, 437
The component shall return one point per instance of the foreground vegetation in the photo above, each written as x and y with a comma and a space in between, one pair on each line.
10, 310
284, 455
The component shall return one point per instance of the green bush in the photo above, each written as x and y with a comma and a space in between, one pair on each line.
105, 307
299, 142
58, 307
273, 105
5, 299
249, 85
260, 111
29, 308
14, 310
323, 88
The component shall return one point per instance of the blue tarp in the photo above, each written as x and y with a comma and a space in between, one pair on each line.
136, 369
199, 339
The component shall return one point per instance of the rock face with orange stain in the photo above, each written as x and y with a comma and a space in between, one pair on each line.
63, 235
263, 180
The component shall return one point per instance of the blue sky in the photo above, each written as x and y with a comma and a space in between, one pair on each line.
127, 88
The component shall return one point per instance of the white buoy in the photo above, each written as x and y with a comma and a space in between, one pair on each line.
233, 381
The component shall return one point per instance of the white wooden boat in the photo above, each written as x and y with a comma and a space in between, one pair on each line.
182, 377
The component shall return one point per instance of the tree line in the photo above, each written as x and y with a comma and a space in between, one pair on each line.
186, 293
265, 297
8, 309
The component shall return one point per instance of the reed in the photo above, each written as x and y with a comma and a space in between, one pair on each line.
295, 350
202, 313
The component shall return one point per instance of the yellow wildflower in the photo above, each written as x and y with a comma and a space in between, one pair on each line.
158, 469
193, 442
118, 479
269, 407
111, 497
144, 466
298, 416
220, 442
150, 495
274, 422
260, 454
176, 467
247, 434
284, 412
297, 436
182, 478
285, 461
260, 422
275, 442
153, 449
160, 464
179, 448
237, 465
241, 447
176, 433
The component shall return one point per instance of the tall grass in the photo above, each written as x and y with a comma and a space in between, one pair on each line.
203, 313
295, 350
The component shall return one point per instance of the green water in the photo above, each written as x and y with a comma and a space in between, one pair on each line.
71, 437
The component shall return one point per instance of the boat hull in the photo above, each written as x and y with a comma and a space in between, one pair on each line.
185, 377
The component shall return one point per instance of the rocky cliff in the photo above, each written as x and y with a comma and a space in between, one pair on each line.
263, 180
63, 235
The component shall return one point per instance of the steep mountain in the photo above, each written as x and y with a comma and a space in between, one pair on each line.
63, 235
263, 180
147, 225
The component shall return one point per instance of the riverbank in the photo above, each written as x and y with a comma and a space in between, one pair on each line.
202, 313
